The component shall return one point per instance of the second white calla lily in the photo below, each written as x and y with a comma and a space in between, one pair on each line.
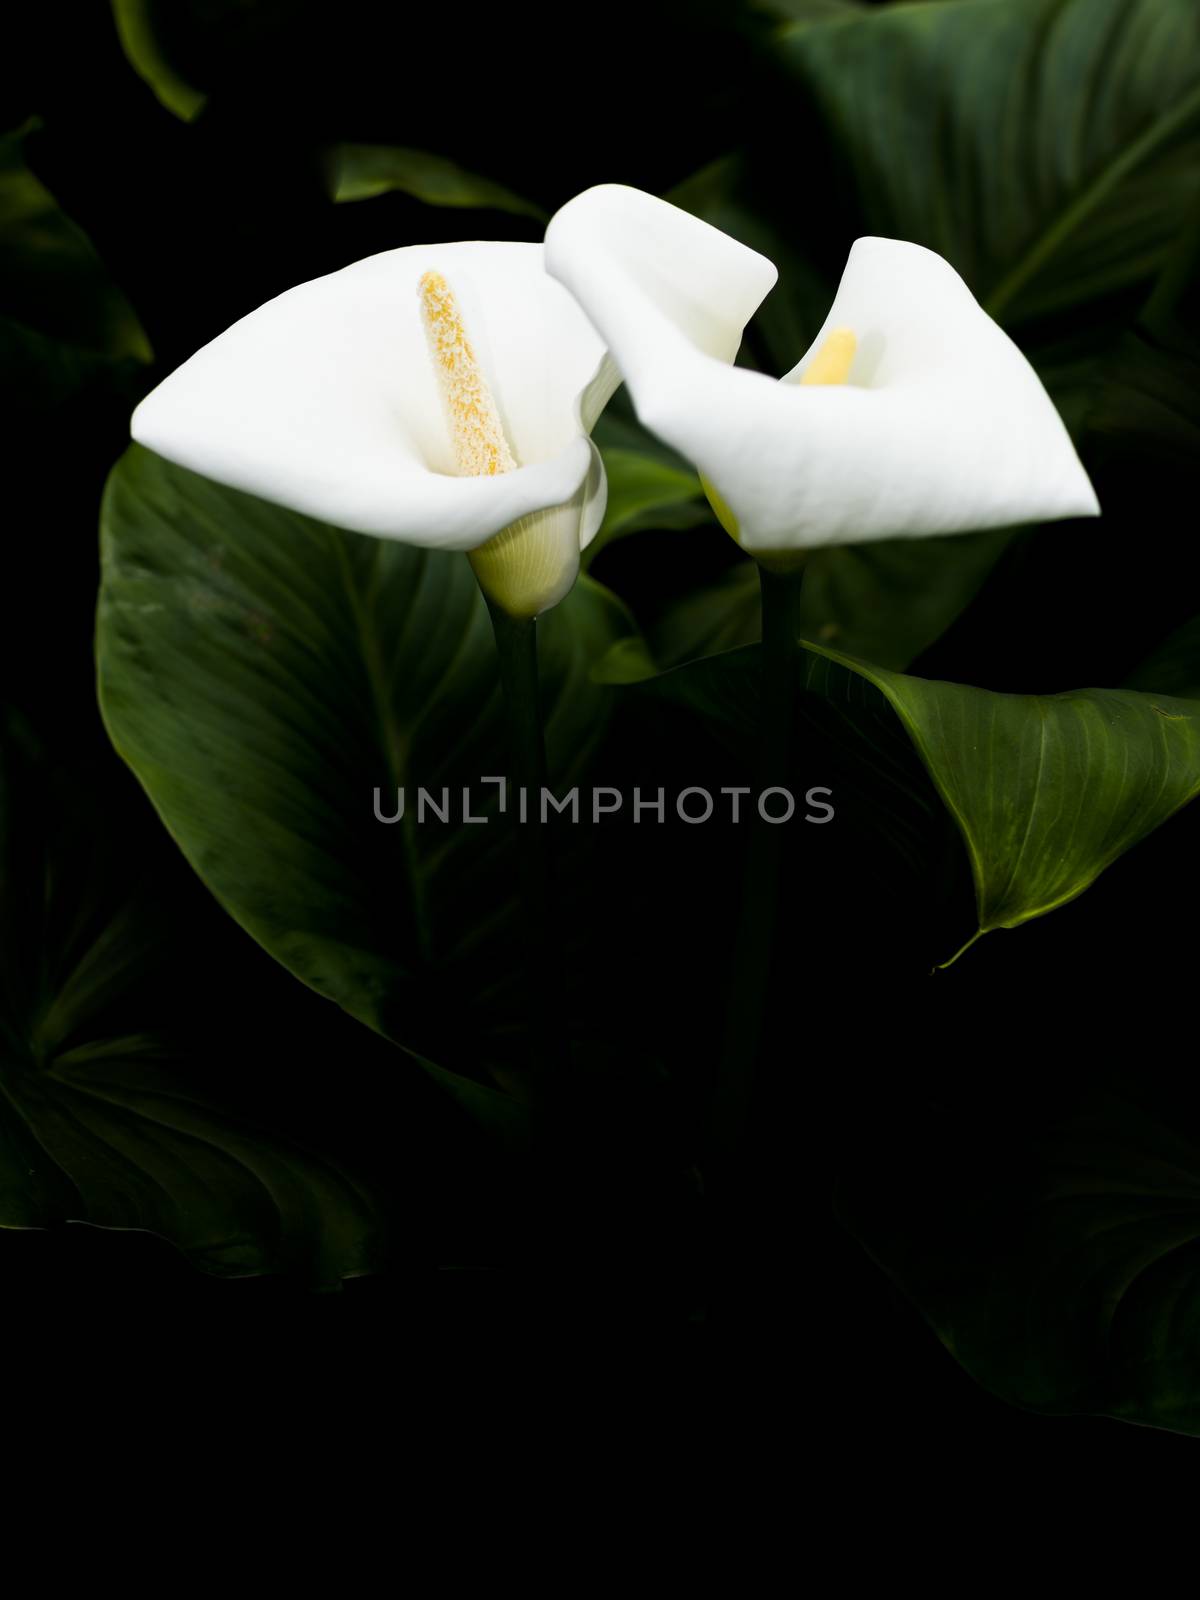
913, 413
371, 398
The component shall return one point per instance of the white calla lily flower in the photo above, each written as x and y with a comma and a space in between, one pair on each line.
441, 395
913, 412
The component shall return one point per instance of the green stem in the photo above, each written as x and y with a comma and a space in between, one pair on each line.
755, 941
516, 645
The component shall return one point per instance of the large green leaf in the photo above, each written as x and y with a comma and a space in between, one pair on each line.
121, 1103
264, 674
1046, 790
1054, 1248
1048, 148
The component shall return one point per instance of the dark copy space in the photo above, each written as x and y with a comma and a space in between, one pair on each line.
967, 1204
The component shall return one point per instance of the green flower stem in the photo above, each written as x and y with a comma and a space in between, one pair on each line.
516, 645
755, 941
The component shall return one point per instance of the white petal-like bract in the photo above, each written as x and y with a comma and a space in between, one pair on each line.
325, 400
942, 425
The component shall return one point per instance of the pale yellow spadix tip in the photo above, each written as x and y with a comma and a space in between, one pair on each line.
833, 360
527, 566
476, 432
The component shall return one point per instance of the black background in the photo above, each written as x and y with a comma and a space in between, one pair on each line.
199, 225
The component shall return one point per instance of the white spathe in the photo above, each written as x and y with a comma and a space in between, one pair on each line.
941, 427
325, 400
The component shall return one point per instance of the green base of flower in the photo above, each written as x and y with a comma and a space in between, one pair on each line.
530, 565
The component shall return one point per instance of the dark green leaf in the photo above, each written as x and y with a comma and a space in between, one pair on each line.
1056, 1253
366, 170
1047, 790
43, 374
1174, 668
1147, 409
50, 277
723, 616
883, 602
880, 783
1047, 148
108, 1111
1144, 433
138, 33
646, 492
264, 674
889, 602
